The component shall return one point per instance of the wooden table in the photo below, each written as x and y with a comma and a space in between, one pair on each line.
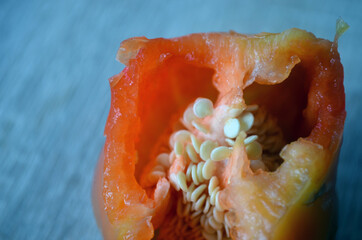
55, 58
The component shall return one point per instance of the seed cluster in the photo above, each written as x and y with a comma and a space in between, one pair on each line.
198, 186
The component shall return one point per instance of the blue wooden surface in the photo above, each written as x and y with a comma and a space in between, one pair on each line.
55, 59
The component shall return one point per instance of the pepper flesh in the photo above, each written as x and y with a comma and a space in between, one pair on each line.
162, 76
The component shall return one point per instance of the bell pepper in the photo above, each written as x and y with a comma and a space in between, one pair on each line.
214, 83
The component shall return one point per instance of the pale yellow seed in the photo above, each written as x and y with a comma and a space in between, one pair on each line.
188, 173
200, 202
181, 135
191, 153
217, 203
226, 226
163, 159
219, 235
181, 181
195, 214
194, 175
202, 128
208, 233
207, 227
213, 183
230, 142
246, 121
197, 192
257, 164
254, 150
213, 195
203, 107
232, 128
218, 215
200, 167
234, 112
214, 224
250, 139
206, 149
202, 220
208, 169
189, 116
220, 153
195, 143
190, 190
178, 148
207, 205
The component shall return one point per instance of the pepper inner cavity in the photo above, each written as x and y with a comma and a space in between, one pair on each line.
196, 155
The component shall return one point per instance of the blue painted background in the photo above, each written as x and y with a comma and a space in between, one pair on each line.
55, 59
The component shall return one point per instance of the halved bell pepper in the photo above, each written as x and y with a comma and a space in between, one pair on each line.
294, 76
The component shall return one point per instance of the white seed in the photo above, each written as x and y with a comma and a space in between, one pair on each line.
220, 153
214, 224
232, 128
189, 192
197, 192
257, 164
163, 159
195, 214
181, 135
213, 183
188, 173
195, 143
202, 220
250, 139
178, 148
200, 127
219, 234
206, 149
234, 112
208, 169
254, 150
226, 225
230, 142
181, 181
252, 108
200, 166
203, 107
218, 215
213, 195
217, 203
208, 233
189, 116
246, 121
200, 202
207, 205
191, 153
194, 175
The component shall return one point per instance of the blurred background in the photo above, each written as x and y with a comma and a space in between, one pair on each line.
56, 57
